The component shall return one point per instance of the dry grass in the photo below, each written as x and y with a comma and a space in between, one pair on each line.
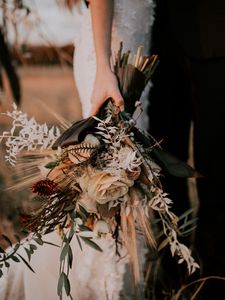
42, 87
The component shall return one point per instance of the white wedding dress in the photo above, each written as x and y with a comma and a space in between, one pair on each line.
132, 25
95, 275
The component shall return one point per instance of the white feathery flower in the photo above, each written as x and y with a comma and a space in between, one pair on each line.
183, 252
27, 134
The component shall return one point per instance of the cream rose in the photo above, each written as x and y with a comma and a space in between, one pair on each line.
103, 187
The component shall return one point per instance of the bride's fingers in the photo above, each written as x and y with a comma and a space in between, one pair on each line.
118, 100
95, 107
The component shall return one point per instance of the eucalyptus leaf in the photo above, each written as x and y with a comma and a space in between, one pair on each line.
186, 214
52, 164
38, 241
60, 284
187, 232
73, 215
64, 252
52, 244
16, 247
70, 257
26, 263
90, 243
7, 264
79, 243
33, 247
83, 212
15, 258
84, 228
66, 284
28, 252
71, 234
187, 224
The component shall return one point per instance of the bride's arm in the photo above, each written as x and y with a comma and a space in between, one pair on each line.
105, 85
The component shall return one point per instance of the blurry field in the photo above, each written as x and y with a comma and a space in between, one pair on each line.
54, 86
41, 86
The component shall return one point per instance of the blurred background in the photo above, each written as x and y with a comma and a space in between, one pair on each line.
36, 73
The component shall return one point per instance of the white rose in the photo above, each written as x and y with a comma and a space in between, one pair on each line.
103, 187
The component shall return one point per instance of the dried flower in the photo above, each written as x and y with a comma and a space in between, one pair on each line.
45, 187
101, 227
31, 136
103, 187
24, 219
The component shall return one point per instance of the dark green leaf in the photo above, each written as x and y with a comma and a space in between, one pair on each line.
33, 247
66, 284
71, 207
78, 239
187, 213
188, 224
28, 253
172, 164
64, 252
83, 212
60, 284
52, 164
15, 258
7, 264
84, 228
38, 240
39, 236
26, 263
188, 231
70, 257
25, 231
52, 244
71, 234
73, 215
90, 243
16, 247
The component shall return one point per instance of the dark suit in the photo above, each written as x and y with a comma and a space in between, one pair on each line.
189, 84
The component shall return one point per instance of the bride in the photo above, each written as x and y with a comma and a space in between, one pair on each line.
95, 276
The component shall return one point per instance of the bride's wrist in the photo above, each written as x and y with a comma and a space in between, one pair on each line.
103, 66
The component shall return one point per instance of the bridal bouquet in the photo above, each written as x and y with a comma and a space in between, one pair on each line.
100, 178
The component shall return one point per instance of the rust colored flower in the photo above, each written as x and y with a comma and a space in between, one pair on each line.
25, 219
45, 187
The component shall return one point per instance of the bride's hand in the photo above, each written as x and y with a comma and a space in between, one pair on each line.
105, 86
